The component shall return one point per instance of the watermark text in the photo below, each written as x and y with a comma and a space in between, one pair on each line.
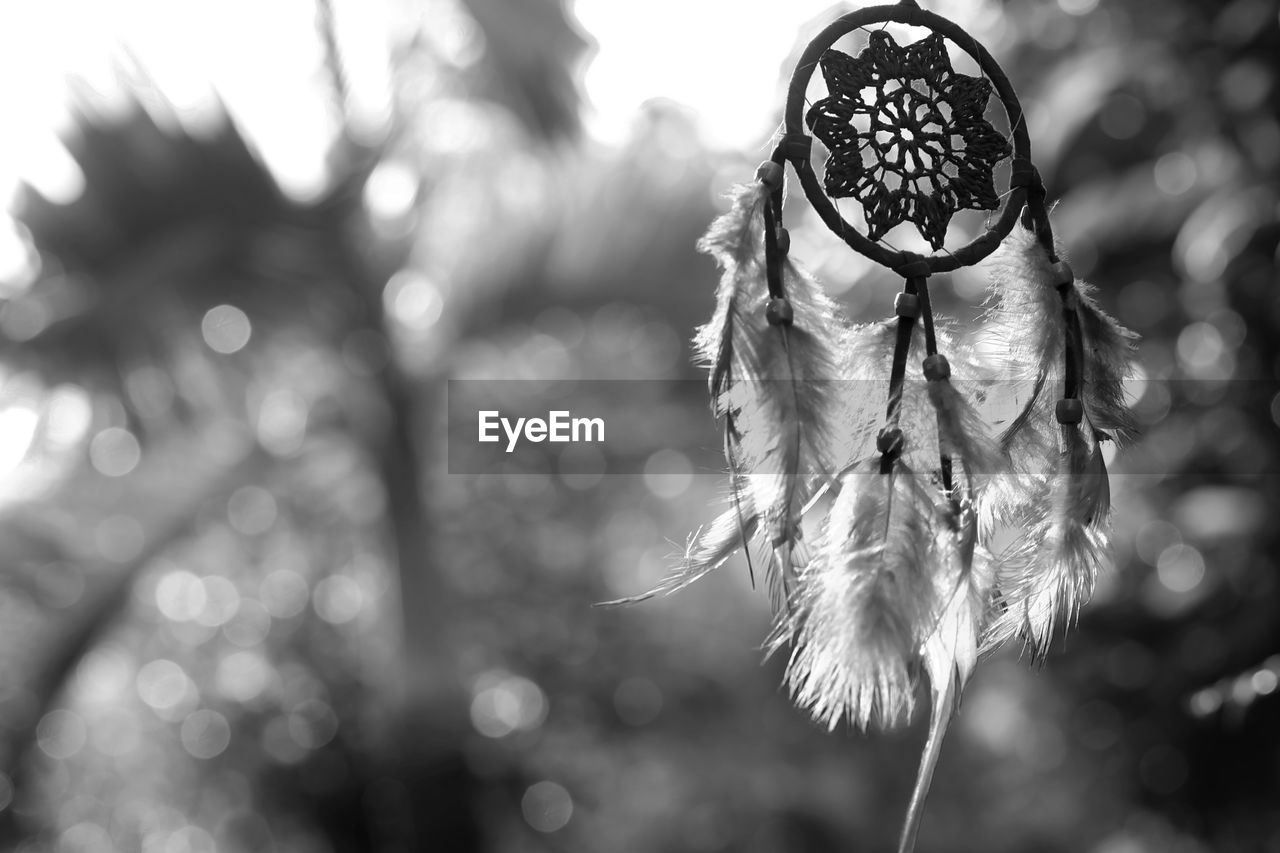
558, 427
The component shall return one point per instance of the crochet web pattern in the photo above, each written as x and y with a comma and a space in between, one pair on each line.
907, 135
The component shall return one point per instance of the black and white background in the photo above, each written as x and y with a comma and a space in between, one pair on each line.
255, 596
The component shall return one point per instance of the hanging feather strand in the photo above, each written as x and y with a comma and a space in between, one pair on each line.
772, 384
1050, 571
1020, 344
963, 581
864, 600
1108, 359
785, 446
1023, 341
962, 432
868, 355
772, 381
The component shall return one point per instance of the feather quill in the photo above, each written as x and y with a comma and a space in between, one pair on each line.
963, 583
863, 601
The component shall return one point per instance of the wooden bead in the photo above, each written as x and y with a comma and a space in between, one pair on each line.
1062, 274
779, 312
1069, 411
936, 367
769, 173
889, 441
906, 305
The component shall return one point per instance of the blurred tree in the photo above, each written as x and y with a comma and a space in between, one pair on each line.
240, 343
1175, 184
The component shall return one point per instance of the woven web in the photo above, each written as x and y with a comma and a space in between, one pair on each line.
907, 135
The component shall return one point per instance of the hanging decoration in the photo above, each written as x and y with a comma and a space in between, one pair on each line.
901, 578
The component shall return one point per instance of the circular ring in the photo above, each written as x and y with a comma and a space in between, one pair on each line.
795, 145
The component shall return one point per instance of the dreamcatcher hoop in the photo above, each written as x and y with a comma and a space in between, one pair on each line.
1025, 187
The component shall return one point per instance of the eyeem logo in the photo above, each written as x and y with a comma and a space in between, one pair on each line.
559, 427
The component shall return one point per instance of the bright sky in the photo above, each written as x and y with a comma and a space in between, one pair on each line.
260, 56
262, 59
721, 58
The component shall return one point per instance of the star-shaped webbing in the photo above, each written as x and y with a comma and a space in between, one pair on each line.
922, 126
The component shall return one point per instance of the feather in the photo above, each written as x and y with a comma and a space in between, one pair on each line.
706, 551
867, 353
773, 384
865, 365
962, 585
863, 600
1050, 571
1022, 333
1108, 360
733, 242
1020, 346
1033, 321
1024, 341
963, 434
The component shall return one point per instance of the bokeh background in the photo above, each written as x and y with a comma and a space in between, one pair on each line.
243, 605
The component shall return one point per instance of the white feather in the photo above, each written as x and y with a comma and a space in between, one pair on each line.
1050, 571
775, 385
863, 600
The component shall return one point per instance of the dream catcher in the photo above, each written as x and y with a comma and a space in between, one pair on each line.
917, 444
